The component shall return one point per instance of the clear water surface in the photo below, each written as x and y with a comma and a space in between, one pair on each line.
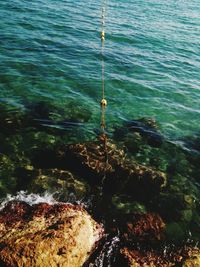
51, 51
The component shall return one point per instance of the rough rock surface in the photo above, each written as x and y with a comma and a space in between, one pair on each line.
137, 258
143, 235
193, 260
185, 257
140, 242
143, 227
93, 160
46, 235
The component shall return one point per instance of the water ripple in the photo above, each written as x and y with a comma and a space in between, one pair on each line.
51, 49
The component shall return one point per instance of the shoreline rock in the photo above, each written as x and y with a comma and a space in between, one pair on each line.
46, 235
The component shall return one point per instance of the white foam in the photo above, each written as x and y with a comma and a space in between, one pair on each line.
31, 199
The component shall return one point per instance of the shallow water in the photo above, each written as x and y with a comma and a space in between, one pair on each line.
50, 51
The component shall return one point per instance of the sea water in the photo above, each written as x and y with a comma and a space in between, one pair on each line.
51, 51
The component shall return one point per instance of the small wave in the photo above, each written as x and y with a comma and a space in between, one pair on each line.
46, 197
31, 199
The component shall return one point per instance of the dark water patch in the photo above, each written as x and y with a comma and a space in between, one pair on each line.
106, 254
39, 115
147, 129
192, 143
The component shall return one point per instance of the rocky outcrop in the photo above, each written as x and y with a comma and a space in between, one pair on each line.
95, 160
124, 183
46, 235
138, 240
185, 257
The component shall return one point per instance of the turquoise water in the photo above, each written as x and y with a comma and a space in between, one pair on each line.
50, 51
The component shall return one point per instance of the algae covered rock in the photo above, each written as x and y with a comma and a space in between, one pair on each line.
7, 179
100, 163
61, 181
140, 242
136, 258
46, 235
122, 204
94, 162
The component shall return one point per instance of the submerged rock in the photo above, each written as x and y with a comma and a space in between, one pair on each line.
63, 182
12, 119
95, 162
46, 235
124, 205
107, 165
7, 179
146, 128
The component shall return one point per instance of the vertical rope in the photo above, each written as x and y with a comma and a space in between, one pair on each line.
102, 46
103, 137
103, 101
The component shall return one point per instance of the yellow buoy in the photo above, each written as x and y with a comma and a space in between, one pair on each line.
103, 102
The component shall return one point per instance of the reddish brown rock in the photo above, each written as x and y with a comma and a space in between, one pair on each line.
144, 227
184, 257
143, 236
46, 235
137, 258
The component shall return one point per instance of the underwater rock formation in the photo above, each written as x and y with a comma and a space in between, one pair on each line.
61, 181
46, 235
108, 167
145, 129
144, 187
93, 162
